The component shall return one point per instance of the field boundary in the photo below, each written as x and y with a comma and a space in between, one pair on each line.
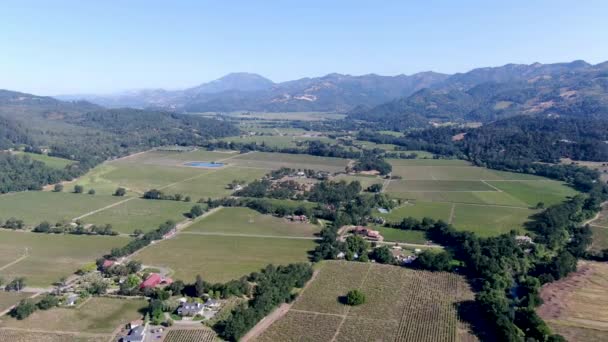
25, 255
369, 267
93, 212
252, 235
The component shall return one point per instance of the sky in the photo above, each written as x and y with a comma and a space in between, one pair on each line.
94, 46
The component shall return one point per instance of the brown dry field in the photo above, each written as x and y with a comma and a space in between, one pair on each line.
577, 306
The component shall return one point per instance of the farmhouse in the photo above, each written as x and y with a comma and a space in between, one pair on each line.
212, 303
523, 239
154, 280
136, 334
297, 218
71, 299
368, 233
190, 309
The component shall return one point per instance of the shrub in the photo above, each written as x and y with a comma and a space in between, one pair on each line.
355, 297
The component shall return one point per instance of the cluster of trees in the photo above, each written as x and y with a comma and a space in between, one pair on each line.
155, 194
279, 190
143, 240
312, 147
373, 162
12, 223
265, 206
20, 173
77, 228
16, 284
274, 285
27, 307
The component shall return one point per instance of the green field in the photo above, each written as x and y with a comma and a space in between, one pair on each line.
140, 214
96, 316
532, 192
365, 181
420, 210
399, 235
54, 162
275, 140
398, 186
273, 161
490, 220
247, 221
50, 256
222, 258
34, 207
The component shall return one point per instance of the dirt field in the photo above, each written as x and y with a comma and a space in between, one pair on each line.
576, 306
401, 304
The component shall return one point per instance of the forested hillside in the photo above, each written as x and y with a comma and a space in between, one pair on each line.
87, 134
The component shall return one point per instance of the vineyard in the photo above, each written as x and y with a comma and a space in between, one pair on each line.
401, 305
190, 335
30, 336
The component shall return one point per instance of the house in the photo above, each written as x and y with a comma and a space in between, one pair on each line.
368, 233
523, 239
190, 309
107, 264
135, 335
153, 280
71, 299
134, 324
340, 255
300, 174
212, 303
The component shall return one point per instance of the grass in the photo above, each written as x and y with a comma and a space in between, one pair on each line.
575, 306
54, 162
52, 256
222, 258
439, 186
399, 235
34, 207
248, 221
365, 181
214, 183
401, 305
273, 161
99, 316
428, 162
419, 210
489, 220
531, 192
140, 214
275, 140
8, 299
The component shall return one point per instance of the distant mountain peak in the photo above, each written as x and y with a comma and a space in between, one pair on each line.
239, 81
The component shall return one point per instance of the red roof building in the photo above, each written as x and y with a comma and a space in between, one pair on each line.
152, 280
107, 264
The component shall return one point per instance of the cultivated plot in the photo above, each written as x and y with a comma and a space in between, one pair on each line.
490, 220
34, 207
44, 258
401, 305
222, 258
400, 235
364, 180
8, 299
273, 161
575, 306
97, 316
54, 162
18, 335
532, 192
142, 214
250, 222
420, 210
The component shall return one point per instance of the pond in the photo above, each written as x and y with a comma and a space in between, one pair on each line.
204, 164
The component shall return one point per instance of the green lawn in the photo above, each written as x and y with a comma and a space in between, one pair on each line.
420, 210
222, 258
140, 214
490, 220
399, 235
54, 162
248, 221
531, 192
52, 256
34, 207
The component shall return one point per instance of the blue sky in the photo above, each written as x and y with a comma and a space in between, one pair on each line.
59, 47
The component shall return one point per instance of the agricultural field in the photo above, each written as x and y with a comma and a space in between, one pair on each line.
599, 227
219, 258
98, 315
44, 258
575, 306
399, 235
365, 181
401, 304
472, 198
190, 335
19, 335
142, 214
34, 207
54, 162
273, 161
8, 299
248, 221
278, 141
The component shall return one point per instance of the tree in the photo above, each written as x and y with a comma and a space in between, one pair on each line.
25, 308
383, 255
16, 284
374, 188
196, 211
78, 189
43, 227
199, 286
434, 261
153, 194
91, 191
540, 205
49, 301
120, 192
58, 187
138, 232
355, 297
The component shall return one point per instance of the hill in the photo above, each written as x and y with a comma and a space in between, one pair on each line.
575, 89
